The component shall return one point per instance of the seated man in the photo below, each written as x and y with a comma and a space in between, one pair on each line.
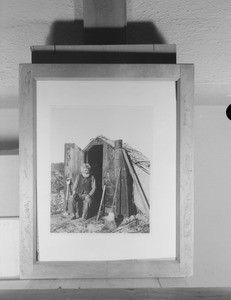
82, 193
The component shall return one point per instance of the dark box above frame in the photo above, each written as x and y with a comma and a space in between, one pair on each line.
149, 53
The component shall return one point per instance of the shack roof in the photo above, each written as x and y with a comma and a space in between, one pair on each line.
136, 156
99, 140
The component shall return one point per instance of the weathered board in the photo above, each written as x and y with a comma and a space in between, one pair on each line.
73, 158
109, 178
132, 293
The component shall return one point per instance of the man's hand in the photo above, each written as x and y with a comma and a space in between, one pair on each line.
68, 181
87, 197
65, 214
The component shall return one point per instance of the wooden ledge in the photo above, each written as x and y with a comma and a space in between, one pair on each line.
148, 53
175, 293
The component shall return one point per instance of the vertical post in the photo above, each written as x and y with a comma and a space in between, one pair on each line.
122, 207
118, 157
104, 13
105, 21
118, 169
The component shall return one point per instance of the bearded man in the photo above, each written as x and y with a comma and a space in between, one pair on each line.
83, 191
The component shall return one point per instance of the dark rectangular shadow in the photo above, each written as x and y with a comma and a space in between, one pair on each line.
70, 57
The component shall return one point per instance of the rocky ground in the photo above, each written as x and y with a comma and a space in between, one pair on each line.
61, 223
64, 224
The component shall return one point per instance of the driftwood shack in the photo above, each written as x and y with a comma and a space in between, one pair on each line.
122, 180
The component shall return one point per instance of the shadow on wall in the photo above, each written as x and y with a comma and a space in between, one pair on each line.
73, 33
144, 33
66, 33
8, 124
9, 147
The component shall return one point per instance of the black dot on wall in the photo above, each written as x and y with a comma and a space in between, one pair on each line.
228, 112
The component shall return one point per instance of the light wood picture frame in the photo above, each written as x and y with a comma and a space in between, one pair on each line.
182, 266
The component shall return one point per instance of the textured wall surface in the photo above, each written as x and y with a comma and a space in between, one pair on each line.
201, 31
9, 185
212, 238
9, 247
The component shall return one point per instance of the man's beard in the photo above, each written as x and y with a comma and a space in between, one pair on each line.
86, 175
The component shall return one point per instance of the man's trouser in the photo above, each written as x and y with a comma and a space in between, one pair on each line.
77, 202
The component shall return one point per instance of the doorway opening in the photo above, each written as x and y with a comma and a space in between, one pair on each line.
94, 157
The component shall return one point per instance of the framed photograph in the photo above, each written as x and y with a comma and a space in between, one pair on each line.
106, 170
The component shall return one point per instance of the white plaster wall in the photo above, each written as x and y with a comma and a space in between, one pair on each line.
201, 31
9, 185
212, 263
9, 248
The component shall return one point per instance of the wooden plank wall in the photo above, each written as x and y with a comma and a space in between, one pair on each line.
73, 158
136, 294
109, 173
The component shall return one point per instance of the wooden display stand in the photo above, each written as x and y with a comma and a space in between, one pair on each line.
106, 21
104, 14
105, 40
